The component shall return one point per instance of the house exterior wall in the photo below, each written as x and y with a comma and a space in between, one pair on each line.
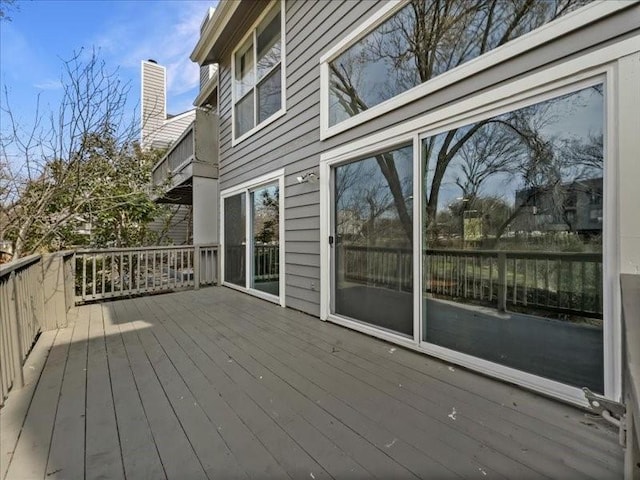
293, 141
176, 227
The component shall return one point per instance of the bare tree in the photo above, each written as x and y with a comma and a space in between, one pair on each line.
78, 165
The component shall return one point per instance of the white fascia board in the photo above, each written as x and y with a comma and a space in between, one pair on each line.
212, 31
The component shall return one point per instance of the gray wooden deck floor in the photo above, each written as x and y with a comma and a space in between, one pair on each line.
218, 384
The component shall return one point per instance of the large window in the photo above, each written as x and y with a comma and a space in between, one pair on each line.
257, 74
424, 39
512, 244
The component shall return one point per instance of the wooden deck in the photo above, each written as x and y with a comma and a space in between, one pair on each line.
217, 384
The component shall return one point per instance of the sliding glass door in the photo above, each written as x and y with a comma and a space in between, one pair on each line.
512, 244
252, 238
373, 231
511, 241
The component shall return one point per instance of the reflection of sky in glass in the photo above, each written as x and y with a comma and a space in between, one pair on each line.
387, 61
357, 180
573, 117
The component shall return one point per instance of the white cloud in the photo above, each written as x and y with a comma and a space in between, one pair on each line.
167, 33
48, 85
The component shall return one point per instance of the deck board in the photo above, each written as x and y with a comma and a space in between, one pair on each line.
176, 453
138, 450
66, 456
513, 439
102, 451
30, 456
217, 384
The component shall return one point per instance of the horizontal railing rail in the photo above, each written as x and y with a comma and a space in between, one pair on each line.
121, 272
562, 282
21, 317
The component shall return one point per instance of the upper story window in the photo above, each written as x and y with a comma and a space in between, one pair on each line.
258, 73
423, 39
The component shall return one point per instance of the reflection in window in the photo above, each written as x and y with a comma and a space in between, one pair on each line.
425, 39
512, 250
265, 213
260, 86
374, 231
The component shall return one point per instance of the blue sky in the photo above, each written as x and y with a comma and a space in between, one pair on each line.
43, 33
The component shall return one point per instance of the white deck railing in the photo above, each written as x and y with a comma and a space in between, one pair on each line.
36, 292
121, 272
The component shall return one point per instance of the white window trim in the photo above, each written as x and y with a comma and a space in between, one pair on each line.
283, 76
595, 67
554, 29
246, 188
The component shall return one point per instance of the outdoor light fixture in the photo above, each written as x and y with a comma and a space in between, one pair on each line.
310, 177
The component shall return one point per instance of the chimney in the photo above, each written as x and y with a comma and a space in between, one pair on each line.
153, 100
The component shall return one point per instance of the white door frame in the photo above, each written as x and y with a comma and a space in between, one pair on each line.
247, 188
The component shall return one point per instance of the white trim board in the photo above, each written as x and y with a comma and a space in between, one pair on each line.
531, 40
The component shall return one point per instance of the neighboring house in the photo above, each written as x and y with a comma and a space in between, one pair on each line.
347, 110
157, 128
573, 207
188, 173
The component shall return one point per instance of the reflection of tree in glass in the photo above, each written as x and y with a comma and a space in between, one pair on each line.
266, 215
533, 160
366, 207
425, 39
421, 41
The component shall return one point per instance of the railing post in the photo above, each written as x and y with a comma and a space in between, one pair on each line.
196, 267
502, 282
18, 380
218, 266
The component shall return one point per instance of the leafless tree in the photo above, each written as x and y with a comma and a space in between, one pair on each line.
74, 165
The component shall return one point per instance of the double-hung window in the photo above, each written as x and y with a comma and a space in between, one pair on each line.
258, 74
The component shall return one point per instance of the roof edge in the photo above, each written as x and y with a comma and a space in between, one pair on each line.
211, 34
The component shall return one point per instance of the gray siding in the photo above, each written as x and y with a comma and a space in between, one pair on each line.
179, 231
153, 111
293, 141
171, 129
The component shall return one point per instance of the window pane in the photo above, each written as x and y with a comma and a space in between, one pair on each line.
244, 114
512, 255
265, 208
244, 76
234, 240
425, 39
374, 231
269, 95
269, 42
